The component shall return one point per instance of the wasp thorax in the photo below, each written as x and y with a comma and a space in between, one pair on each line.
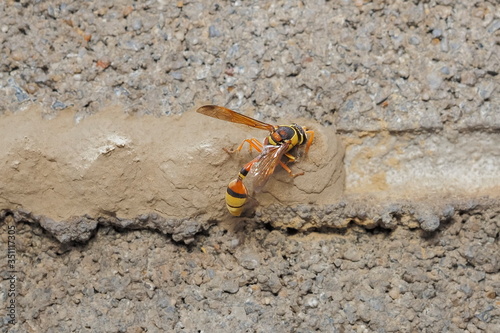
286, 132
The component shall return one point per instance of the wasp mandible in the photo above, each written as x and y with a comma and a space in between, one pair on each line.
278, 144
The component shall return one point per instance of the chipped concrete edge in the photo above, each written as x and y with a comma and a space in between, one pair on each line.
80, 229
363, 212
427, 215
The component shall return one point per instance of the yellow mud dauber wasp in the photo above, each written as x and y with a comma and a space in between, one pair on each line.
279, 142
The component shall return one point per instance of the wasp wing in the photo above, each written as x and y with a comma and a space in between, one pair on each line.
265, 165
223, 113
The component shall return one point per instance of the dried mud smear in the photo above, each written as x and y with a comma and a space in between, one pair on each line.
115, 165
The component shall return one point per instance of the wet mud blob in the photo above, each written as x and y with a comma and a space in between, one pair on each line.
116, 165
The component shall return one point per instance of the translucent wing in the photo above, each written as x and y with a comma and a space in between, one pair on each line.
264, 167
223, 113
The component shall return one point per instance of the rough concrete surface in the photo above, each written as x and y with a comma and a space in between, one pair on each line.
112, 186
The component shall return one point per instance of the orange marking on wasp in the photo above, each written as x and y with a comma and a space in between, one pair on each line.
278, 143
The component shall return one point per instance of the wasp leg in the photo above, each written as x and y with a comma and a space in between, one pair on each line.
287, 169
291, 158
310, 139
253, 143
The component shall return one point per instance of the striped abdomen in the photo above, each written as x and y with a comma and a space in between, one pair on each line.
236, 194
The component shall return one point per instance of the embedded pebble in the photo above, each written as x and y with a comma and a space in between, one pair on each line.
137, 24
230, 286
429, 222
213, 32
311, 301
249, 261
58, 105
352, 254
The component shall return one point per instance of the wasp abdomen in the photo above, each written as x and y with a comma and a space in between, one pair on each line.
236, 196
